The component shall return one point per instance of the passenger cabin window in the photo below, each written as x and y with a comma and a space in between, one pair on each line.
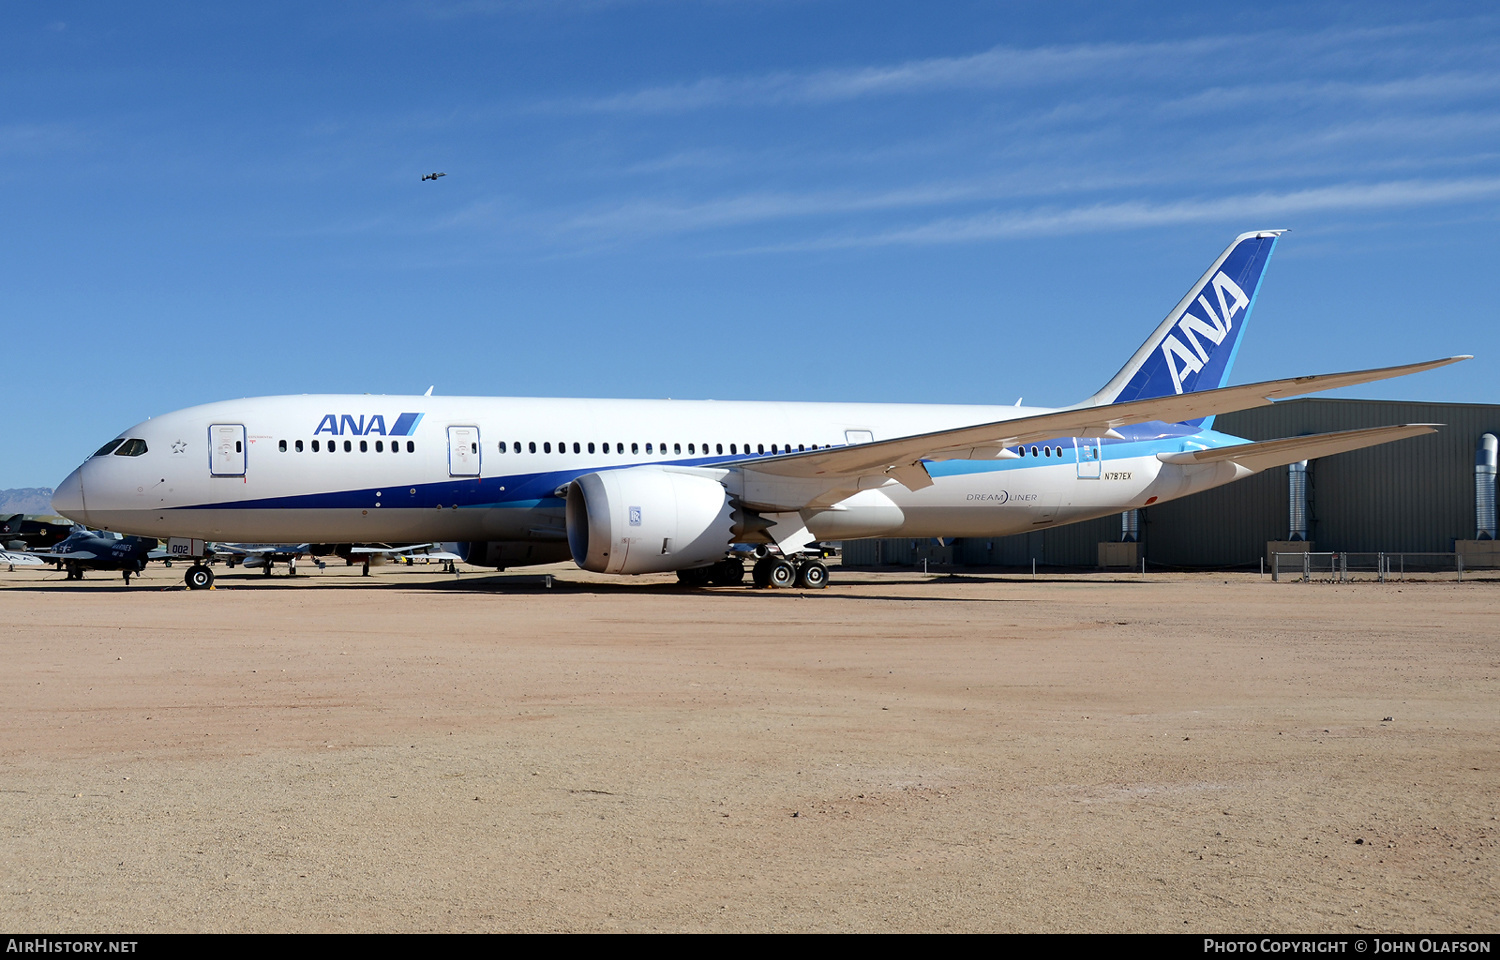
348, 446
364, 446
532, 445
282, 445
315, 446
380, 446
547, 447
109, 448
299, 446
411, 446
648, 448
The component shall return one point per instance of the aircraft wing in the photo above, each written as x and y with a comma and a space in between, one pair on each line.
901, 457
70, 555
261, 549
16, 559
412, 550
1277, 453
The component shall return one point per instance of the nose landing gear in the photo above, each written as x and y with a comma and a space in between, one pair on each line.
198, 577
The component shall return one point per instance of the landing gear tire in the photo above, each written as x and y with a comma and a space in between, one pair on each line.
813, 575
198, 577
781, 573
695, 576
760, 574
727, 573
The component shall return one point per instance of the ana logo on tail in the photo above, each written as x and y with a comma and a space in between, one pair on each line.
1232, 300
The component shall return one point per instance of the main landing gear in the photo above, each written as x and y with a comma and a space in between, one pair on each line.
198, 577
808, 573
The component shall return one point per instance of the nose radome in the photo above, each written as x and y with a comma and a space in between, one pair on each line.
67, 499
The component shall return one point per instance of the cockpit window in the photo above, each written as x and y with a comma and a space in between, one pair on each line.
131, 448
109, 447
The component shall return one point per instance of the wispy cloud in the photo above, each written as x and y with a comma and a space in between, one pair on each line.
1026, 67
1102, 217
996, 67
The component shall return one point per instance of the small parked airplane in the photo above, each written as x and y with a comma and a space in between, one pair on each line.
87, 550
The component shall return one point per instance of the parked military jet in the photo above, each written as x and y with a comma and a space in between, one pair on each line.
89, 550
263, 555
33, 532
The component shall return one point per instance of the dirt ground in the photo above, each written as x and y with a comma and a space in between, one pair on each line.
419, 752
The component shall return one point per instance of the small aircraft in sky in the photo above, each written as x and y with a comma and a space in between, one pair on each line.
432, 176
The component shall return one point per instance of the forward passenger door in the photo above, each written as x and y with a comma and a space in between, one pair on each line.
463, 451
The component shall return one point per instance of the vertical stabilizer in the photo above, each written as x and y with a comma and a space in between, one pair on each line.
1194, 347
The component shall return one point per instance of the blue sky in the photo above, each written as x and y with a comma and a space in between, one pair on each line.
947, 202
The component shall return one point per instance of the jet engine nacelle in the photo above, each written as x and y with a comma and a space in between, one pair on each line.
647, 519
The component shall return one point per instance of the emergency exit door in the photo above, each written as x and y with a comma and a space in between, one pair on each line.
226, 449
463, 451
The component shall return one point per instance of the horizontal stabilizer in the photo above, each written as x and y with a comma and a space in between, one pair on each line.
1277, 453
15, 559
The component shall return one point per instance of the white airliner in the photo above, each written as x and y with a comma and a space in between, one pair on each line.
646, 486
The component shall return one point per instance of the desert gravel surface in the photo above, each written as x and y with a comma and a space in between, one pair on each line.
420, 752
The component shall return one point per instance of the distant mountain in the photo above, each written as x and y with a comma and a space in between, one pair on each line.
25, 500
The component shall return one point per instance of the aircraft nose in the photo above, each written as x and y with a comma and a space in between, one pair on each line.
67, 499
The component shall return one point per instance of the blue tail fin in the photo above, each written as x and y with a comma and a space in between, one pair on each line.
1194, 346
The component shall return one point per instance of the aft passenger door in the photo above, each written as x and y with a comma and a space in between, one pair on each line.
463, 451
1090, 457
226, 449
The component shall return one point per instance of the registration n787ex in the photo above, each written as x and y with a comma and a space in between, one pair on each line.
649, 486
